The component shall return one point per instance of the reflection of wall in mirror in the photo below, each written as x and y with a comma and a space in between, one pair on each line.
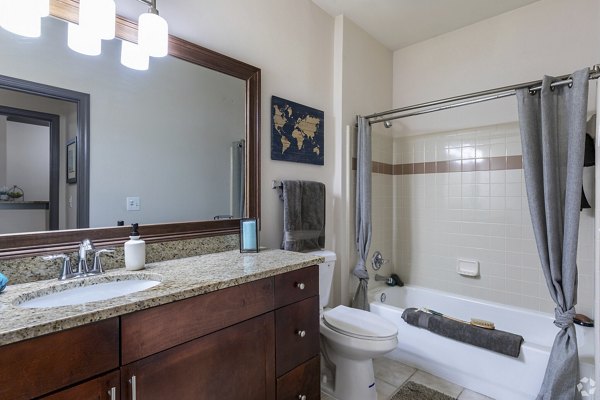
68, 129
163, 135
26, 164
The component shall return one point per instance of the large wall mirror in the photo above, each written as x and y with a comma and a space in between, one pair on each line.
174, 148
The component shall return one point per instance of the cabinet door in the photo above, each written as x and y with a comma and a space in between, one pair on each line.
234, 363
301, 383
105, 387
42, 365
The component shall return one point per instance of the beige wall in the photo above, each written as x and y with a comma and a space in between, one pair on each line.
363, 84
551, 37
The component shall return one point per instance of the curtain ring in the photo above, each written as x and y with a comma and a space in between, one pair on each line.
532, 92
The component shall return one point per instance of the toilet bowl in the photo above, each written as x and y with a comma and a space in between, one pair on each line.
351, 339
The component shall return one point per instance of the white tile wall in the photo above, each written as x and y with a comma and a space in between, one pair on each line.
482, 215
382, 203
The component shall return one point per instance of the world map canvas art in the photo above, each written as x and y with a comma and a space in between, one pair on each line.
297, 132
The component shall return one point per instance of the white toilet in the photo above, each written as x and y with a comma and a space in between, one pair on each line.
352, 338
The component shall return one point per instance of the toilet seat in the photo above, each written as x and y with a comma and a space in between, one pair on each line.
359, 324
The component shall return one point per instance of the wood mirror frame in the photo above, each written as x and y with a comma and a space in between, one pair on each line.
29, 244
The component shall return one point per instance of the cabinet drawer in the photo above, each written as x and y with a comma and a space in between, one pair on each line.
297, 334
150, 331
34, 367
301, 381
296, 285
95, 389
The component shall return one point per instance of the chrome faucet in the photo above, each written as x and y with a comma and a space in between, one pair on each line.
85, 246
66, 272
97, 267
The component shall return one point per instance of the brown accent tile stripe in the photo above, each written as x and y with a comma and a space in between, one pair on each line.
432, 167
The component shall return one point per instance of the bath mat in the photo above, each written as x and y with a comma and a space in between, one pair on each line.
415, 391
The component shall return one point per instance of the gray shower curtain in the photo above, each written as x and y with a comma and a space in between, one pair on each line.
363, 212
238, 177
553, 122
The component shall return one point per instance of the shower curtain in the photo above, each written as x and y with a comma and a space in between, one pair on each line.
363, 212
238, 177
553, 123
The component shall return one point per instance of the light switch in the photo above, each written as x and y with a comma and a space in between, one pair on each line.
133, 204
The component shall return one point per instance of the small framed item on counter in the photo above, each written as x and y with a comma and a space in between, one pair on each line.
249, 239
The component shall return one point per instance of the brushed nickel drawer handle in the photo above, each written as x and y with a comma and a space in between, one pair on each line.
133, 388
113, 393
301, 333
302, 397
300, 285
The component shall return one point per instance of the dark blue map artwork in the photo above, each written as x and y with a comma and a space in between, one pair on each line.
297, 132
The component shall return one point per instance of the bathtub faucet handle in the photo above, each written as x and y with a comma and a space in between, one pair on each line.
377, 260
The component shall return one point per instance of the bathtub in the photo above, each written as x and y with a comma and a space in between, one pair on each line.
492, 374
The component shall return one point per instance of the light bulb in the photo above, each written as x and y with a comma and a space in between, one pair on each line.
133, 56
44, 7
81, 41
153, 34
18, 18
98, 17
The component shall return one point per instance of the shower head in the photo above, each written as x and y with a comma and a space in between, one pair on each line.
387, 124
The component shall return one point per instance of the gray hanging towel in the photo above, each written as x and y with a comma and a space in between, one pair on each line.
303, 215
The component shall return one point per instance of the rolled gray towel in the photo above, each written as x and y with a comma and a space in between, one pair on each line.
492, 339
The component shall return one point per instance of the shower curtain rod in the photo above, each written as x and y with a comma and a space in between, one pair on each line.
471, 98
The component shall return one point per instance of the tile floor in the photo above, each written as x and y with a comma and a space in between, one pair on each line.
390, 375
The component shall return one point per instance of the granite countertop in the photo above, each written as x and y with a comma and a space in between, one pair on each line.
180, 279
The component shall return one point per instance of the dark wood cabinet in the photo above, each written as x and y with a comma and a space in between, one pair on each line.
296, 285
233, 363
156, 329
301, 381
38, 366
258, 340
106, 387
297, 335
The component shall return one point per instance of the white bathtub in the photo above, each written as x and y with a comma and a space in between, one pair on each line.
496, 375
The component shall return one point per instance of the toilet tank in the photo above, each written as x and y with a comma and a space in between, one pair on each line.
325, 275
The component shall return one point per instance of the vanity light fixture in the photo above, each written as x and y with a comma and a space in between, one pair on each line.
133, 56
23, 17
98, 17
97, 21
83, 41
153, 32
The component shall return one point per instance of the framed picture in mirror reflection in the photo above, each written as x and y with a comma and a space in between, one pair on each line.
72, 161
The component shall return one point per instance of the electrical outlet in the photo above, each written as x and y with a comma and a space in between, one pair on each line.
133, 204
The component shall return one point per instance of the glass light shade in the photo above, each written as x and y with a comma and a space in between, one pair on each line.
98, 17
44, 7
133, 56
18, 18
81, 41
3, 11
153, 35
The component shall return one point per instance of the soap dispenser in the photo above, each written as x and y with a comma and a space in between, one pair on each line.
135, 251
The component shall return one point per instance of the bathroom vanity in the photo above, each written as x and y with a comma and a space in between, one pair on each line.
220, 326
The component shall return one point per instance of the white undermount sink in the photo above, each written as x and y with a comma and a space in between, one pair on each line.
89, 292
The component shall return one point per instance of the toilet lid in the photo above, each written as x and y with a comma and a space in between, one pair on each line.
359, 323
